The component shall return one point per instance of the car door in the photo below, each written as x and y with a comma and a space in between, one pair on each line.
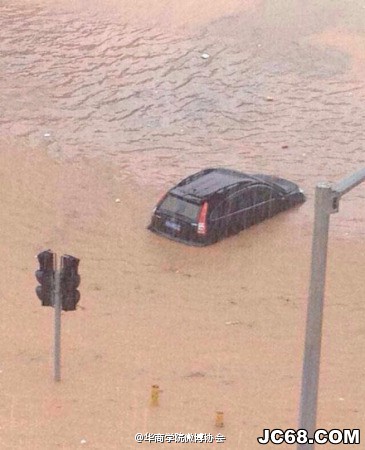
267, 202
219, 218
240, 214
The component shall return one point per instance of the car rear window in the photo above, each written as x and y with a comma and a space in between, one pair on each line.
179, 206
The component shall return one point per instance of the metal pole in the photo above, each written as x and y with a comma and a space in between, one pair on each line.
346, 184
57, 328
312, 350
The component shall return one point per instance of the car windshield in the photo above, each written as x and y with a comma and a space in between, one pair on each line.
179, 206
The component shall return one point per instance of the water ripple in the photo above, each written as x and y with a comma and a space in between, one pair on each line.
113, 89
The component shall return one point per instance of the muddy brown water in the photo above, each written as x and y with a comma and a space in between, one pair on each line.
282, 90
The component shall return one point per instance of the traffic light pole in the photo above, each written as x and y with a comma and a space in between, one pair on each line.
58, 288
57, 328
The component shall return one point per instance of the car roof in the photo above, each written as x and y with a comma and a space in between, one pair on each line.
276, 182
208, 182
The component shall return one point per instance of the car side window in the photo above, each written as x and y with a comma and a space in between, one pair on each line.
233, 204
264, 194
247, 199
218, 211
241, 200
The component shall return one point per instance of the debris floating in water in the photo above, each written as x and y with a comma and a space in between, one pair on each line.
219, 422
154, 395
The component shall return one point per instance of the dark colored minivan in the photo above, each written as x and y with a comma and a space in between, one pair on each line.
215, 203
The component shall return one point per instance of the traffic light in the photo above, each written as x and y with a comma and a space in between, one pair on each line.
69, 282
45, 277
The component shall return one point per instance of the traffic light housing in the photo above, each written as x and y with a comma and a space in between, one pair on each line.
69, 282
45, 277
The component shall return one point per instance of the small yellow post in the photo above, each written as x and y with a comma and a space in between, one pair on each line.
219, 419
154, 395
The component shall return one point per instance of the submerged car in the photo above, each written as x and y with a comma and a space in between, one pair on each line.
215, 203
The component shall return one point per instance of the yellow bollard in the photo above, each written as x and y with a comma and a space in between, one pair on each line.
219, 419
154, 395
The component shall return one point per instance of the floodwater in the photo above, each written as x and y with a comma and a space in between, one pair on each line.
281, 91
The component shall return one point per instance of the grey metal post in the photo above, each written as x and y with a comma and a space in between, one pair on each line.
326, 203
312, 350
57, 328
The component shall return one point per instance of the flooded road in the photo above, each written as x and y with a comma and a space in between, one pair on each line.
263, 88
